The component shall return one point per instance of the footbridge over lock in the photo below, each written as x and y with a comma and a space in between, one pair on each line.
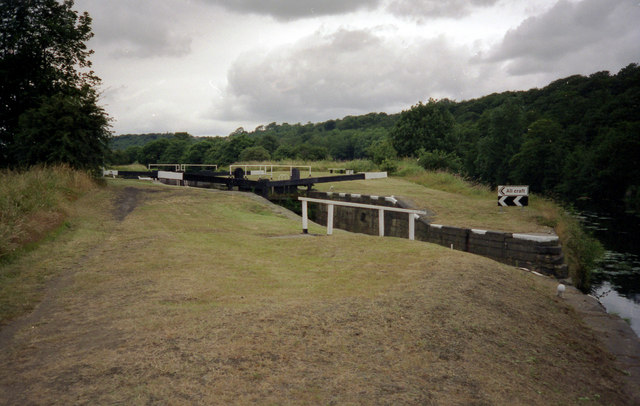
239, 179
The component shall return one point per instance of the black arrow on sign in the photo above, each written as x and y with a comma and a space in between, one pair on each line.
513, 201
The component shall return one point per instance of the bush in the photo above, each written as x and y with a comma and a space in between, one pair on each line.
437, 160
382, 150
409, 167
284, 152
581, 250
389, 166
311, 152
361, 165
256, 154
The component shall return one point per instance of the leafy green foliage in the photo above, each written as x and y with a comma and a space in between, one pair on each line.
581, 250
257, 153
311, 152
389, 165
174, 151
63, 129
126, 141
576, 138
152, 152
382, 150
539, 161
437, 160
424, 126
504, 127
44, 66
196, 153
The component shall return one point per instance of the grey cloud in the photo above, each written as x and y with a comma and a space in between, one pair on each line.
287, 10
572, 37
139, 29
346, 72
429, 9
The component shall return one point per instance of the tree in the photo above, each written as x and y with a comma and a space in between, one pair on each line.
174, 151
540, 159
44, 72
440, 161
382, 150
63, 128
425, 126
283, 152
308, 152
257, 154
504, 127
269, 142
195, 153
615, 159
236, 143
132, 154
153, 151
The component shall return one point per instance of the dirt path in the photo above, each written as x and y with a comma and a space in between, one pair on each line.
50, 318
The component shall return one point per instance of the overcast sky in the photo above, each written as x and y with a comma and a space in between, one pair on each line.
210, 66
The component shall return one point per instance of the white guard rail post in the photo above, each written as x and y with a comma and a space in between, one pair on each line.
268, 168
381, 209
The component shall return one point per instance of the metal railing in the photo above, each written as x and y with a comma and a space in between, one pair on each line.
381, 209
181, 167
267, 168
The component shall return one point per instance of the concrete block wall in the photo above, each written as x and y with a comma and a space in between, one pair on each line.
541, 253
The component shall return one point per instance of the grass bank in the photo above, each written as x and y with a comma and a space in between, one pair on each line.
185, 296
455, 201
34, 202
34, 205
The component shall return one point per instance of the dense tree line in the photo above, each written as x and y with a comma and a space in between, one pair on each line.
49, 110
576, 139
353, 137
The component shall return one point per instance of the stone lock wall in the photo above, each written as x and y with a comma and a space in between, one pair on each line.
541, 253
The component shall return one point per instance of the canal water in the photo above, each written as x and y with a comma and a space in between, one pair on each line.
616, 281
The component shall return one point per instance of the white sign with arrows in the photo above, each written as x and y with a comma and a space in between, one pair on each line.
513, 195
522, 190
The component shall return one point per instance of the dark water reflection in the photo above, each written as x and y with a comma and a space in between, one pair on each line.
616, 281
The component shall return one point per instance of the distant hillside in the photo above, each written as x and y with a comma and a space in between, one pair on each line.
122, 142
576, 139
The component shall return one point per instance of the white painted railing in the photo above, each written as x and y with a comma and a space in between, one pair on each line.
413, 214
263, 169
182, 167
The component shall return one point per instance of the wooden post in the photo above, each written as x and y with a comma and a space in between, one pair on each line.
305, 218
412, 226
329, 219
381, 222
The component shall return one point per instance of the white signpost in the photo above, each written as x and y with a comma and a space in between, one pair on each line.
513, 195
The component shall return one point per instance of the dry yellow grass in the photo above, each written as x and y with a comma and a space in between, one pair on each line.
207, 297
34, 202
